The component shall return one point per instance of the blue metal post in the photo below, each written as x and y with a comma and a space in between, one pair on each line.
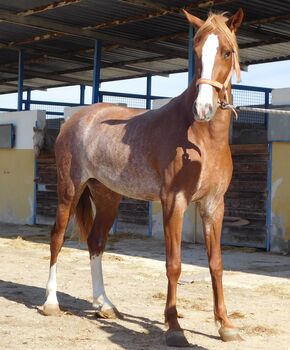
148, 106
190, 54
267, 102
20, 79
115, 225
150, 223
97, 71
148, 91
269, 198
28, 99
34, 215
82, 94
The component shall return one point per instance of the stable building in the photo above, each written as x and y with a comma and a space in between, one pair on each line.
85, 43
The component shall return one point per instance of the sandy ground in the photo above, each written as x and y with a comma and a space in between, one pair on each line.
257, 292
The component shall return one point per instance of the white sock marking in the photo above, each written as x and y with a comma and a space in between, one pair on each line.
209, 52
51, 287
100, 300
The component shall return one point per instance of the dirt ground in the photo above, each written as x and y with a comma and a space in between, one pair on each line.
257, 292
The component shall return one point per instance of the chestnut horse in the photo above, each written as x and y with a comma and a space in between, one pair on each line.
176, 154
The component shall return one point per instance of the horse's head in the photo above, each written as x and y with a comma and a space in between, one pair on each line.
38, 140
216, 56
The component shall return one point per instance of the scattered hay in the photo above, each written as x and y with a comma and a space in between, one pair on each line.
183, 302
260, 330
280, 291
236, 315
200, 305
111, 257
159, 295
17, 242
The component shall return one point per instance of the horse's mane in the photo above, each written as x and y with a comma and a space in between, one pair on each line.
218, 21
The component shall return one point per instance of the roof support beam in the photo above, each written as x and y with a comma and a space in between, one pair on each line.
161, 11
60, 29
56, 27
51, 6
29, 74
154, 5
267, 20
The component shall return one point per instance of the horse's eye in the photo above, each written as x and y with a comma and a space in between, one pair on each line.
227, 54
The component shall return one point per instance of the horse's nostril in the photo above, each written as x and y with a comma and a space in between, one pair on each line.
208, 106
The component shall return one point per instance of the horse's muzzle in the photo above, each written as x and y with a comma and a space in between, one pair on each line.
203, 112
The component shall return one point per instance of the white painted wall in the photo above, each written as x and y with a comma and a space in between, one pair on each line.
17, 187
281, 97
161, 102
69, 111
24, 122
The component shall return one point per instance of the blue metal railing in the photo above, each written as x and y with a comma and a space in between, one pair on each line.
242, 94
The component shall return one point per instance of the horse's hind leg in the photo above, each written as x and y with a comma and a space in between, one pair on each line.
66, 193
106, 202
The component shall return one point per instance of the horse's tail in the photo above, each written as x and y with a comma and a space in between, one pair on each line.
84, 214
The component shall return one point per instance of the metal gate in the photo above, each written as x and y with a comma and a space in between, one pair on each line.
246, 201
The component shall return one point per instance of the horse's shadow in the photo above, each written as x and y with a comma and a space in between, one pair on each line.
32, 297
150, 333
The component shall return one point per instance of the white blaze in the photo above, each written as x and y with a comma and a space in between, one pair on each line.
100, 300
209, 52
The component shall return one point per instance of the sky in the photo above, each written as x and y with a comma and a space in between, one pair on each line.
272, 75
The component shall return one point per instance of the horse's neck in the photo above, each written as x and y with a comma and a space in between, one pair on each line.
218, 128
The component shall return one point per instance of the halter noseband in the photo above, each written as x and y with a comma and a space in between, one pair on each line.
224, 103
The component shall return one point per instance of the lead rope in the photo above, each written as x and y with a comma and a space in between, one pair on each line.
227, 106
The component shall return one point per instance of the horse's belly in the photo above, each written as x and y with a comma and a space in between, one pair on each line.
134, 183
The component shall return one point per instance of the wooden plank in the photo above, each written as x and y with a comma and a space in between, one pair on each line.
249, 149
246, 198
257, 167
257, 186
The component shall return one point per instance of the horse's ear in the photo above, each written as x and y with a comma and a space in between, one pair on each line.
235, 21
197, 22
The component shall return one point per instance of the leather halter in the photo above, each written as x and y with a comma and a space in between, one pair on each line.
224, 102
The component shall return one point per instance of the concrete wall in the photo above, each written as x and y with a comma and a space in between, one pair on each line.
280, 197
278, 125
69, 111
281, 97
279, 130
17, 168
192, 225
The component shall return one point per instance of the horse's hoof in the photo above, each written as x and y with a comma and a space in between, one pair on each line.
112, 313
176, 338
51, 310
229, 334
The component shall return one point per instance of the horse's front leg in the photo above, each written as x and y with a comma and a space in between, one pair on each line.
174, 206
212, 216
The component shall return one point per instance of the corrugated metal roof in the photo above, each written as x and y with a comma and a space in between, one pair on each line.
139, 37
